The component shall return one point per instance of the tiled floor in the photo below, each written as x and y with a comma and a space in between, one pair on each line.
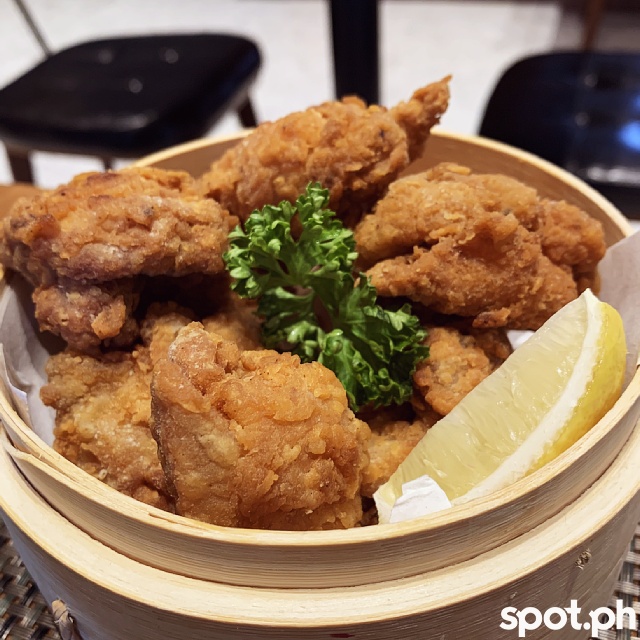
420, 41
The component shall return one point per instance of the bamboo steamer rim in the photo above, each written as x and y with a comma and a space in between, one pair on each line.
89, 485
517, 560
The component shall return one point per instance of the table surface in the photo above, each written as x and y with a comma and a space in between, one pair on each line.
26, 616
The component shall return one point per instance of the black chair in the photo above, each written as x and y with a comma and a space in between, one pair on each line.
126, 97
581, 111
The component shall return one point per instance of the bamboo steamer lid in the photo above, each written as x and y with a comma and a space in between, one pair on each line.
359, 556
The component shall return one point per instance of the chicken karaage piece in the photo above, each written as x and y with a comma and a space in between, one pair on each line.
458, 361
390, 443
473, 247
103, 403
103, 409
85, 315
494, 271
570, 237
86, 245
353, 150
567, 234
256, 439
236, 321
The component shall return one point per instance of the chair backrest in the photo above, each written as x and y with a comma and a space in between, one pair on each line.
578, 110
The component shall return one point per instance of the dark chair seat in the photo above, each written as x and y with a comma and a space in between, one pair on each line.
127, 97
581, 111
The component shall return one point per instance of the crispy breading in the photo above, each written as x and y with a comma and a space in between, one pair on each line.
90, 246
569, 236
468, 245
103, 408
236, 321
421, 209
117, 224
87, 315
160, 327
256, 439
352, 150
493, 271
390, 443
458, 361
103, 403
495, 191
196, 417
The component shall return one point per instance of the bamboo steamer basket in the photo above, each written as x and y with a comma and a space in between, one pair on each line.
347, 558
421, 579
574, 555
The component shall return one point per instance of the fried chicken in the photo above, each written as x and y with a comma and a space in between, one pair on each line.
494, 272
256, 439
103, 408
236, 321
352, 150
85, 315
424, 208
472, 246
568, 236
390, 443
458, 361
179, 406
103, 403
84, 243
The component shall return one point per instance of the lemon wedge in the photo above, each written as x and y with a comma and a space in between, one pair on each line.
542, 399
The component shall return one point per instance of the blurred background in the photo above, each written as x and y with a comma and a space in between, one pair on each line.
419, 41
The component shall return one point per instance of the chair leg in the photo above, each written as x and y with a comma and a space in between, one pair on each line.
592, 19
107, 163
356, 48
246, 114
20, 164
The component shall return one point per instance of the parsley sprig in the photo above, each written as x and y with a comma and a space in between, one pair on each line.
297, 261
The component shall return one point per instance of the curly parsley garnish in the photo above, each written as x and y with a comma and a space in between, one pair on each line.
313, 305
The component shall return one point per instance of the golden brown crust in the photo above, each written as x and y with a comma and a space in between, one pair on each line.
255, 439
480, 246
103, 403
421, 113
103, 409
87, 316
352, 150
236, 321
422, 209
495, 273
105, 226
248, 437
102, 421
390, 443
570, 237
458, 361
91, 246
